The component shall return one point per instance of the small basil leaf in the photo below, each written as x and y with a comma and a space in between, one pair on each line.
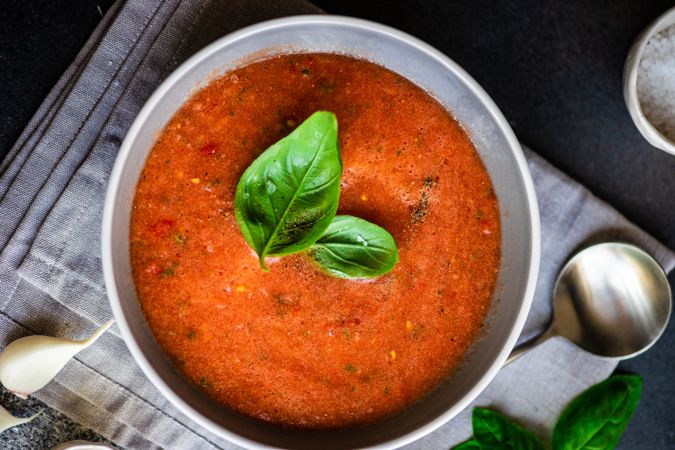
355, 248
597, 418
494, 431
471, 444
288, 196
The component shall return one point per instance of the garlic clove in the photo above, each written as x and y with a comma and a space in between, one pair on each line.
8, 421
29, 363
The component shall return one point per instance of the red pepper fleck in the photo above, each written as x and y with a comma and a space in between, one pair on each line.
208, 150
162, 228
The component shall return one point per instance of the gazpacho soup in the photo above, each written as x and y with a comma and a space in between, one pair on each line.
274, 335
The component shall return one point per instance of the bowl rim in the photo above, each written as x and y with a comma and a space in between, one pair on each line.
300, 20
630, 75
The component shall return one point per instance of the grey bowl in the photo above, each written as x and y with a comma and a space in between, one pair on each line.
496, 145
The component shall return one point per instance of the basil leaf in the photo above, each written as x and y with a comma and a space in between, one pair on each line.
471, 444
597, 418
288, 196
355, 248
494, 431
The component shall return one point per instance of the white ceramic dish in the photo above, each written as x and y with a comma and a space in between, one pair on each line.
495, 143
630, 76
83, 445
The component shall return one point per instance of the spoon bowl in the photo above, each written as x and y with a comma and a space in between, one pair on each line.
611, 299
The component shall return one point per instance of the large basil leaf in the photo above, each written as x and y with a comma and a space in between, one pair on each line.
355, 248
597, 418
288, 196
494, 431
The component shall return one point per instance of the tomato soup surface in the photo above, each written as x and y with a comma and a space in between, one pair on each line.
294, 346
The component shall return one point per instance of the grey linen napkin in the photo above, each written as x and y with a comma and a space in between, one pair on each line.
52, 186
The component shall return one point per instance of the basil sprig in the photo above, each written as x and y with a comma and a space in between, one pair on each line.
355, 248
599, 416
286, 202
595, 420
288, 196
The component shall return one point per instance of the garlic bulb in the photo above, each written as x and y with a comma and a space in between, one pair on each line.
29, 363
8, 421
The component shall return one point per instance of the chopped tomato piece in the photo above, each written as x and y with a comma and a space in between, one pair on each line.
208, 150
162, 228
153, 269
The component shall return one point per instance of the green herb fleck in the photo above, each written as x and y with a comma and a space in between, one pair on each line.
305, 72
281, 305
139, 243
191, 334
351, 368
203, 382
422, 208
326, 87
179, 238
417, 330
215, 182
345, 333
169, 271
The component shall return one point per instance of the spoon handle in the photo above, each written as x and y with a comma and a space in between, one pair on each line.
527, 346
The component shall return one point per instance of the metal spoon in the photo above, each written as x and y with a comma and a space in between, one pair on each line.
611, 299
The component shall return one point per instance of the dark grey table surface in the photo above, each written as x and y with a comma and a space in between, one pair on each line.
553, 67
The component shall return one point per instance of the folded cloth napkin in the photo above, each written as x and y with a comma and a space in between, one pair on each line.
52, 186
